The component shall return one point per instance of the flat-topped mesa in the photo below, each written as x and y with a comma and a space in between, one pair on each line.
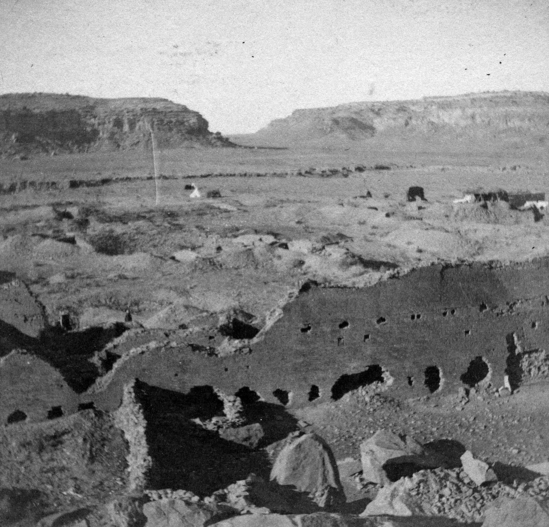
487, 116
54, 123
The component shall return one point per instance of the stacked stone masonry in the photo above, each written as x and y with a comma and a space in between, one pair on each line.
431, 331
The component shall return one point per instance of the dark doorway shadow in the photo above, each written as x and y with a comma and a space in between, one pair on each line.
187, 456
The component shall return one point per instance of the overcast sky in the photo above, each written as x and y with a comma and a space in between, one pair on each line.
241, 63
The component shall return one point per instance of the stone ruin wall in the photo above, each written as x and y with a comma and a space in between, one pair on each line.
434, 321
414, 335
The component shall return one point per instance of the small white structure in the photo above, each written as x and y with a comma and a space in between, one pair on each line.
540, 205
468, 198
195, 193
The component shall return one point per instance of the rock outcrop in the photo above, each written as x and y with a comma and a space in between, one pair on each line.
54, 123
483, 115
308, 464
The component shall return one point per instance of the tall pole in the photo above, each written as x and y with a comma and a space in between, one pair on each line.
155, 167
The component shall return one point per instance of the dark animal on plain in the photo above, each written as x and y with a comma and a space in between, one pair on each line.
414, 193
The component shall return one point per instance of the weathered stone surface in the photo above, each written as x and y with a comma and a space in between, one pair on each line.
130, 420
395, 500
177, 513
386, 447
320, 519
20, 309
30, 385
255, 496
84, 453
21, 506
540, 468
297, 350
127, 511
519, 512
477, 470
309, 465
248, 435
75, 518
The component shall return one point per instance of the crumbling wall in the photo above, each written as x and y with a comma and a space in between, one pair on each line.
431, 331
20, 309
32, 390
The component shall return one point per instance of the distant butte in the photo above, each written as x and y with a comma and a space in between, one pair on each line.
487, 117
47, 123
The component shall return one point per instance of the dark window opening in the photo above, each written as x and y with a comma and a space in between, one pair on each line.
483, 307
445, 313
467, 332
477, 371
238, 330
366, 337
353, 381
54, 412
282, 395
16, 417
418, 316
534, 325
432, 378
452, 311
381, 320
344, 325
340, 341
86, 406
410, 381
247, 396
306, 329
314, 393
412, 317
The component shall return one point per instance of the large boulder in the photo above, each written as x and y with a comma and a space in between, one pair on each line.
395, 500
520, 512
254, 495
387, 456
308, 464
477, 470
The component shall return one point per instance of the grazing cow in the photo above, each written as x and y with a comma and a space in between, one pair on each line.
195, 193
540, 205
415, 192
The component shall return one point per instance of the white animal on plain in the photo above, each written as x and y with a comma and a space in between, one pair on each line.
540, 205
468, 198
195, 193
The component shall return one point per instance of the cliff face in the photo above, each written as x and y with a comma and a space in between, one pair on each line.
491, 116
46, 123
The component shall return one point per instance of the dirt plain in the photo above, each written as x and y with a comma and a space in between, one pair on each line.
96, 253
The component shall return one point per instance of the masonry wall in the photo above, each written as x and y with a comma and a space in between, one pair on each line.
434, 317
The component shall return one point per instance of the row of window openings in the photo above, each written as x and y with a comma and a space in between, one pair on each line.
307, 328
53, 413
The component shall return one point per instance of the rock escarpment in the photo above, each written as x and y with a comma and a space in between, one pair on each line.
53, 123
487, 116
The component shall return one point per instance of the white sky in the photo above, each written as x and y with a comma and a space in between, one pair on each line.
241, 63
